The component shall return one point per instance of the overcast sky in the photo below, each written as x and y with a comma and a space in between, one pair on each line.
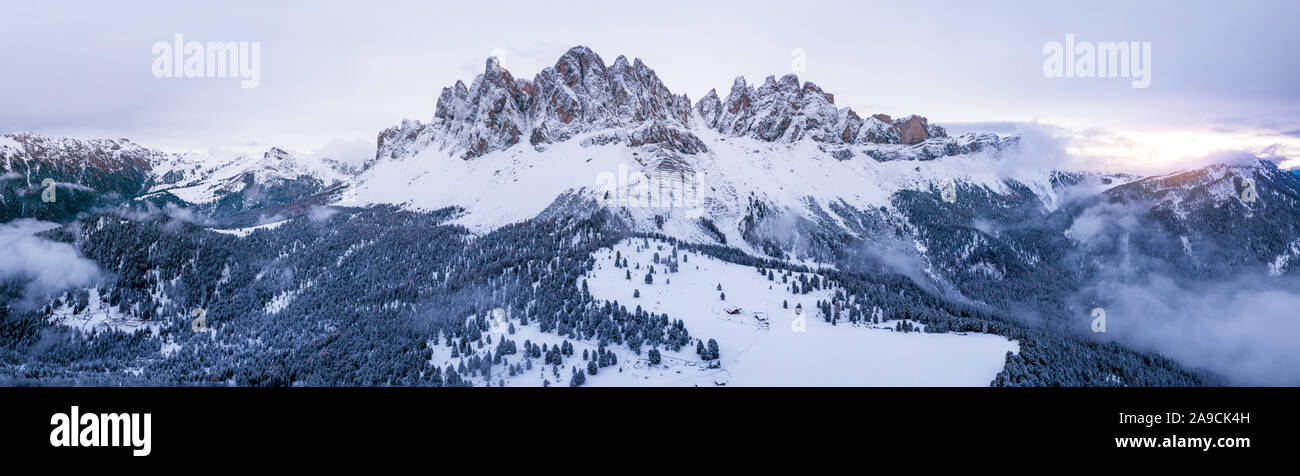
1224, 75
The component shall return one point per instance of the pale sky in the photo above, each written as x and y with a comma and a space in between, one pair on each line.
1225, 75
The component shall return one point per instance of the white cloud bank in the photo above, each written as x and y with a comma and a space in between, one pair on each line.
47, 267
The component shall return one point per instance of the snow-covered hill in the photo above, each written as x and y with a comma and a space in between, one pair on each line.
766, 343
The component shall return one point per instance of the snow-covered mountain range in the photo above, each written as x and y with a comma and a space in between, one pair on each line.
776, 169
774, 172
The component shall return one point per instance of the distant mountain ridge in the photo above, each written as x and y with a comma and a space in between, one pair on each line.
86, 173
95, 173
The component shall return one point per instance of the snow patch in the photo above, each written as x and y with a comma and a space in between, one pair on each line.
243, 232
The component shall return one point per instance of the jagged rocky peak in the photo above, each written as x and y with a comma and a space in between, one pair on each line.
579, 94
627, 102
779, 110
783, 110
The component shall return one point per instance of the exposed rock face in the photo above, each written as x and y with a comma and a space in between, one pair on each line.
912, 130
783, 111
579, 94
626, 102
778, 111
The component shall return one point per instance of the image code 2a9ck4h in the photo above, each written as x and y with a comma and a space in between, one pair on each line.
763, 199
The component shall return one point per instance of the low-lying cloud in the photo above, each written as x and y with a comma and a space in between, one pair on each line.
46, 267
321, 214
1245, 329
1241, 325
145, 211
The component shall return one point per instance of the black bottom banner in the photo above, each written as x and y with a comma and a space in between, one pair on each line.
321, 425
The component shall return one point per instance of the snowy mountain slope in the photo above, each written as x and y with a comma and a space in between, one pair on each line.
240, 190
509, 186
776, 170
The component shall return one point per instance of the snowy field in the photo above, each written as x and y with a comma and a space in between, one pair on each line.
243, 232
754, 354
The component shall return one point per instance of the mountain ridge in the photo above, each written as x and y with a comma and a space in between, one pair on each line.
581, 94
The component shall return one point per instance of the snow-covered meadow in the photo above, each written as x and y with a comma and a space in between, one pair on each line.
784, 351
